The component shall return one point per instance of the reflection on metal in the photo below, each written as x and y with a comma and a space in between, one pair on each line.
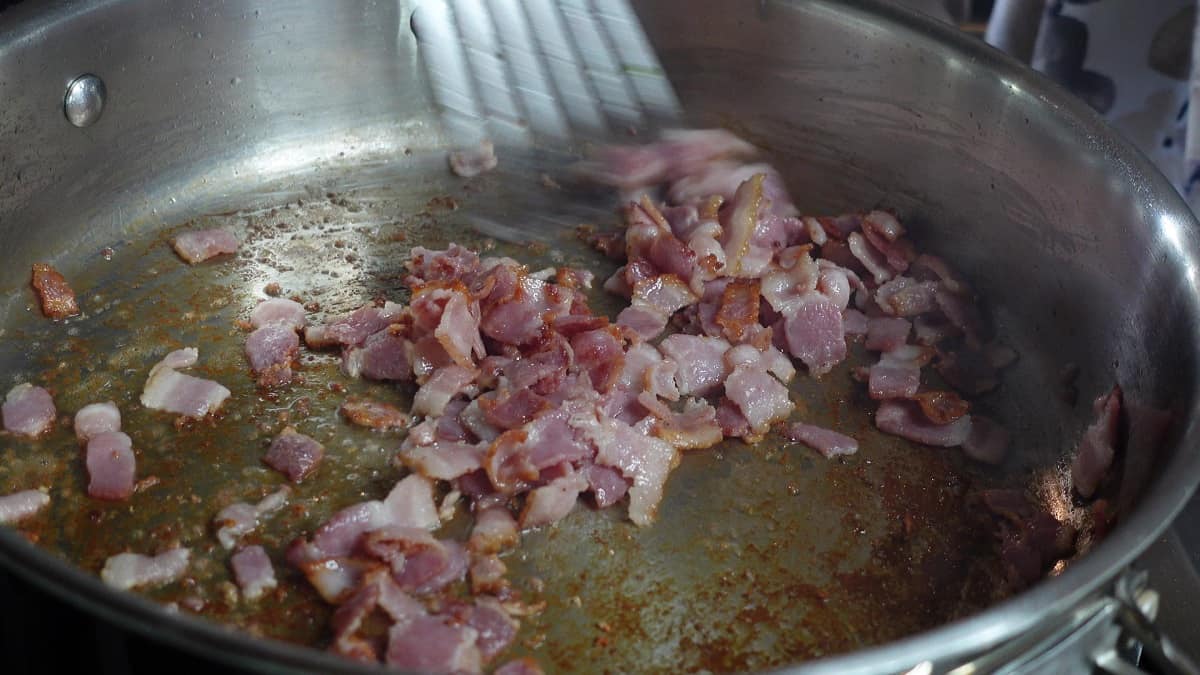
84, 100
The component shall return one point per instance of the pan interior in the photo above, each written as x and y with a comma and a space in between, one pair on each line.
763, 555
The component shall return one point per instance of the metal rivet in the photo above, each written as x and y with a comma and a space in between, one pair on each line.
84, 100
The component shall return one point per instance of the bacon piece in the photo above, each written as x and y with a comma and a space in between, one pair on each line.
28, 410
739, 308
253, 571
456, 263
278, 311
961, 312
20, 505
870, 257
96, 418
495, 627
907, 297
739, 222
385, 355
506, 410
898, 373
700, 362
373, 414
128, 570
443, 460
601, 355
458, 330
432, 397
111, 466
55, 295
494, 531
487, 575
941, 407
1096, 449
905, 419
855, 322
200, 245
272, 351
409, 505
553, 501
430, 644
353, 328
828, 443
294, 455
814, 334
606, 484
760, 397
645, 460
885, 334
472, 161
239, 519
886, 234
169, 390
694, 428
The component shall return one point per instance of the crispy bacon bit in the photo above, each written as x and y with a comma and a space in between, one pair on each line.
374, 414
54, 294
941, 407
739, 308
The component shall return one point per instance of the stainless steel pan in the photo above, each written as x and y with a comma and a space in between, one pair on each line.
765, 556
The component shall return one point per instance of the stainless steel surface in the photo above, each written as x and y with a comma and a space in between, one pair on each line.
84, 101
1081, 248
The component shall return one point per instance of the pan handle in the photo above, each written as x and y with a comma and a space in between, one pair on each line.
1138, 607
1114, 633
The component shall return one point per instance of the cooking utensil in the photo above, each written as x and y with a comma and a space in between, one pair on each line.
1016, 181
556, 69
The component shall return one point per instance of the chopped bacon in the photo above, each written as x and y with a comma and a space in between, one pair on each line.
739, 308
272, 350
253, 571
694, 428
55, 295
885, 334
431, 644
941, 407
385, 355
443, 460
20, 505
905, 419
374, 414
898, 373
814, 333
606, 484
278, 310
700, 362
828, 443
28, 410
200, 245
357, 326
172, 391
433, 396
760, 397
643, 459
553, 501
494, 531
294, 455
128, 570
239, 519
869, 257
1096, 449
111, 466
96, 418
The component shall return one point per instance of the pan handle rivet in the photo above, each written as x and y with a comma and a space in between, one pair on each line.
84, 100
